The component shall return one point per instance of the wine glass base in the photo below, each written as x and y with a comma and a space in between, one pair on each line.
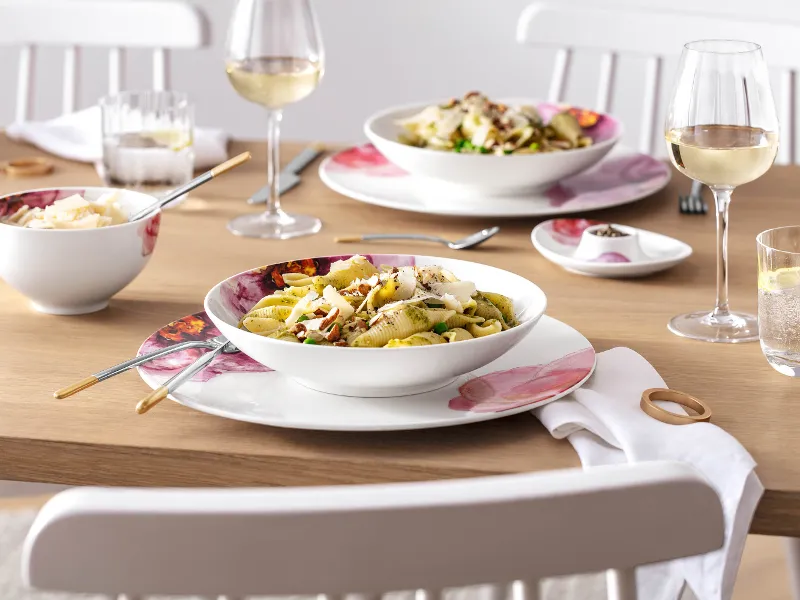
277, 226
707, 327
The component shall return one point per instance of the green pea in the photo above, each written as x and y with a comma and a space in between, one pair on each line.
440, 328
309, 341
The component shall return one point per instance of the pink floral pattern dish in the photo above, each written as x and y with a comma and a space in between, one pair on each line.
550, 362
558, 239
524, 386
623, 176
196, 327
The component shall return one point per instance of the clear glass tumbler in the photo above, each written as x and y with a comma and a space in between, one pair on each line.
147, 139
779, 298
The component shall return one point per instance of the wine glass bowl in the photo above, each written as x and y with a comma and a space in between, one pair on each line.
722, 130
274, 58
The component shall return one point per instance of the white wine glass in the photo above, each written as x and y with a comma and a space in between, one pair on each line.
274, 58
721, 130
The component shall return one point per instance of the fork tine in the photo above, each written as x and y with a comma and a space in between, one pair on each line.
681, 204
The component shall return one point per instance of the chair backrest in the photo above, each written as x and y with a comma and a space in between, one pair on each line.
373, 539
654, 35
115, 25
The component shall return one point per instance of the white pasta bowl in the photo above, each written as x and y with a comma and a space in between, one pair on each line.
472, 175
75, 271
372, 372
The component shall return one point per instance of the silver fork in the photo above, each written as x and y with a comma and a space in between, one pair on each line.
693, 204
68, 391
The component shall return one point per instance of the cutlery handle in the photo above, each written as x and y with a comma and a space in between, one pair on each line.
284, 185
70, 390
231, 163
153, 398
178, 380
75, 387
389, 236
196, 182
303, 159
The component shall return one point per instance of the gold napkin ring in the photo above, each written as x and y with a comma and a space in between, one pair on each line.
665, 416
27, 167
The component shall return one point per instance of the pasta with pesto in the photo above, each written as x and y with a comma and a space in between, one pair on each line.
362, 305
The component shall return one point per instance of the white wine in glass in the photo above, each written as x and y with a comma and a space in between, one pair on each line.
275, 59
274, 82
721, 130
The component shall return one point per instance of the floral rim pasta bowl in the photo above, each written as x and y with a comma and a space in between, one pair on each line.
376, 325
473, 174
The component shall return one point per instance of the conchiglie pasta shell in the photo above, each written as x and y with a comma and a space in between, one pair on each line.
261, 326
426, 338
488, 311
296, 279
458, 320
344, 277
504, 304
279, 313
298, 291
284, 336
457, 334
276, 300
488, 328
439, 315
396, 324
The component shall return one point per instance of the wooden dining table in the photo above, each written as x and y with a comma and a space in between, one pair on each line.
96, 438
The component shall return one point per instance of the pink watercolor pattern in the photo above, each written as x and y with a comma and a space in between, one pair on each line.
35, 199
367, 160
611, 257
568, 232
611, 179
505, 390
241, 292
148, 231
196, 327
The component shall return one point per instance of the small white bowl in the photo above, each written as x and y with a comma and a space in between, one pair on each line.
592, 246
372, 372
479, 174
75, 271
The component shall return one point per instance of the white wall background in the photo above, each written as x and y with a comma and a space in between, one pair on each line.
380, 52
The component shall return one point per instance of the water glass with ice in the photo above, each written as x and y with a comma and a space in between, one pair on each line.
779, 298
147, 139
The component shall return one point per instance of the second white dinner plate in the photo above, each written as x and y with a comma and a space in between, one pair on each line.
364, 174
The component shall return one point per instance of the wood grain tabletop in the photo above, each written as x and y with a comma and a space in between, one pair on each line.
95, 438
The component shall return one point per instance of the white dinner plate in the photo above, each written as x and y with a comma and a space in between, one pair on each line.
550, 362
364, 174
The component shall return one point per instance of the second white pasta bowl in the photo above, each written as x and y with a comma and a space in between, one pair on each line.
480, 174
372, 372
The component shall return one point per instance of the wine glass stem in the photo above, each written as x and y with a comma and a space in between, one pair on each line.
722, 198
273, 160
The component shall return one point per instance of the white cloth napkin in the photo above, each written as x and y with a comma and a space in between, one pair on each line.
78, 136
605, 425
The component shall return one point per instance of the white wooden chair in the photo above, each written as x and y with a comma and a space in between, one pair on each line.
116, 25
655, 34
376, 538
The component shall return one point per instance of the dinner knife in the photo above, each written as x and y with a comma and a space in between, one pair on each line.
289, 176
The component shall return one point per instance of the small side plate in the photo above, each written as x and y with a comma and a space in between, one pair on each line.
557, 240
